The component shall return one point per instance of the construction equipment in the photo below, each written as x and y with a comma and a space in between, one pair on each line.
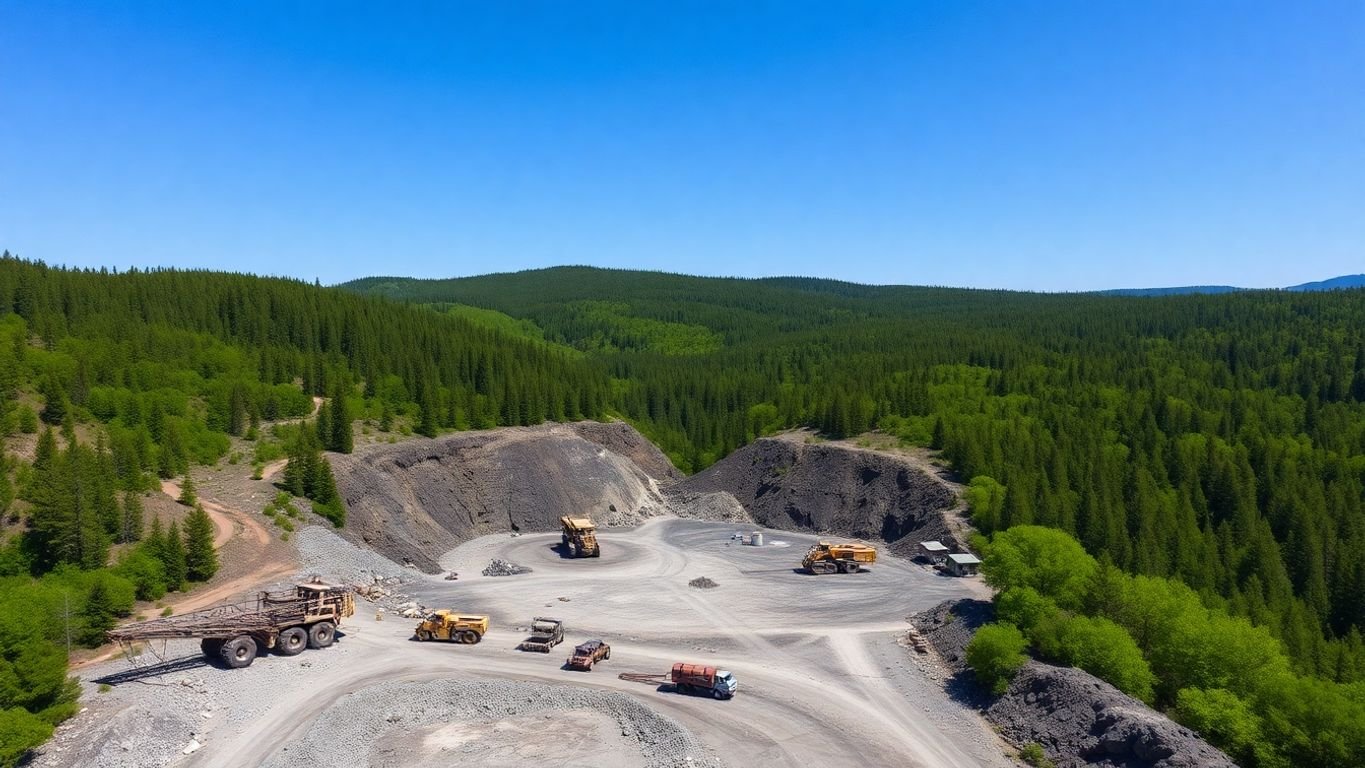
547, 633
698, 678
838, 558
587, 654
288, 622
579, 537
452, 626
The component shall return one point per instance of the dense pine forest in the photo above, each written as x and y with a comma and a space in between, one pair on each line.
118, 380
1215, 444
1215, 440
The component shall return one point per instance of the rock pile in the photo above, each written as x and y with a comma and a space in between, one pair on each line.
701, 582
504, 568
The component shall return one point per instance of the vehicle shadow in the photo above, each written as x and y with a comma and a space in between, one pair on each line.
149, 671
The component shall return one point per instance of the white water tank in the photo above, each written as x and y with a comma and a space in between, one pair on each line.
756, 538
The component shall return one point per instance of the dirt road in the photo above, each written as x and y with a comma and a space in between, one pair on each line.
257, 565
822, 678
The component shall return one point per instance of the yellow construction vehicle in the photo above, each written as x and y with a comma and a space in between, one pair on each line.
838, 558
455, 627
579, 537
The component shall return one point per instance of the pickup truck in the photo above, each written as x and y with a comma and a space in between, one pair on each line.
587, 654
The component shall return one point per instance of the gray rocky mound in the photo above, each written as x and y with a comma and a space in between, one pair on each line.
787, 484
417, 500
1078, 719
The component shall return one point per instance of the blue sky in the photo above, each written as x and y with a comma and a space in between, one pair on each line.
1032, 145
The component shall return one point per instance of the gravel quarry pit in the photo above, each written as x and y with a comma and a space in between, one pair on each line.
823, 678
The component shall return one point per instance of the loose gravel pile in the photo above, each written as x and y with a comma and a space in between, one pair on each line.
701, 582
327, 554
395, 710
504, 568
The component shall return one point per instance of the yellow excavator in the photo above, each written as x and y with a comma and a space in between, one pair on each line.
825, 557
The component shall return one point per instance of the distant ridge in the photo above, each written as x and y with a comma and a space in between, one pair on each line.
1343, 282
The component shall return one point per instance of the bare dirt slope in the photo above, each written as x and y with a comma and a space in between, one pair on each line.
416, 500
785, 482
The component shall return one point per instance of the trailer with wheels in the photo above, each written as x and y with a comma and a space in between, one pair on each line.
235, 634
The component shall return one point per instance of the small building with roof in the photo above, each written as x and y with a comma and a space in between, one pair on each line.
963, 564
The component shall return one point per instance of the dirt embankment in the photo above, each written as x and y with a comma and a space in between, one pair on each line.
788, 484
1078, 719
417, 500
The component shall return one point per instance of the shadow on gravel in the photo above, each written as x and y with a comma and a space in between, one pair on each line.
964, 689
143, 673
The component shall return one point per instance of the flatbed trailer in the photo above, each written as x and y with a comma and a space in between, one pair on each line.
237, 633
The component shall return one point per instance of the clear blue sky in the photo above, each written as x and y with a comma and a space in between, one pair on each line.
1036, 145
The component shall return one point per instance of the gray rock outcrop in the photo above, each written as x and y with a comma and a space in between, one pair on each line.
416, 500
787, 484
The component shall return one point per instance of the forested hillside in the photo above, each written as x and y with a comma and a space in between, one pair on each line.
1219, 440
113, 381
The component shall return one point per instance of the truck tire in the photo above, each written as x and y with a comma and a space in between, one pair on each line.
717, 693
238, 652
292, 641
423, 635
211, 647
472, 638
322, 634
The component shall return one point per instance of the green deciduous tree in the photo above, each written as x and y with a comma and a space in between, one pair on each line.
995, 653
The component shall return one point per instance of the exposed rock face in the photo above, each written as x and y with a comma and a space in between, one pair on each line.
787, 484
620, 438
416, 500
1081, 720
1078, 719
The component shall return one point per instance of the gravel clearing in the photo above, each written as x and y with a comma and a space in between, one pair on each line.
366, 720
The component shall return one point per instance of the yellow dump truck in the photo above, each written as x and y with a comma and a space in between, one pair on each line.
452, 626
825, 557
579, 537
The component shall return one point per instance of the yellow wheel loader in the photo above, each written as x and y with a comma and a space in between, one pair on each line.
452, 627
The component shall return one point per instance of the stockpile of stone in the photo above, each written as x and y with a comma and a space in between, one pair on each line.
701, 582
504, 568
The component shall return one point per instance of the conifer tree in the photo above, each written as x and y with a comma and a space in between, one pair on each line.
201, 562
341, 439
55, 404
130, 528
188, 495
98, 615
174, 559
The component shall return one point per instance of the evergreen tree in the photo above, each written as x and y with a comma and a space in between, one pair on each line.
173, 558
341, 439
201, 562
130, 528
55, 404
188, 495
98, 615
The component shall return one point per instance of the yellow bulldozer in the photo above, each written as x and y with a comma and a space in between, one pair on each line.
579, 537
825, 557
452, 626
